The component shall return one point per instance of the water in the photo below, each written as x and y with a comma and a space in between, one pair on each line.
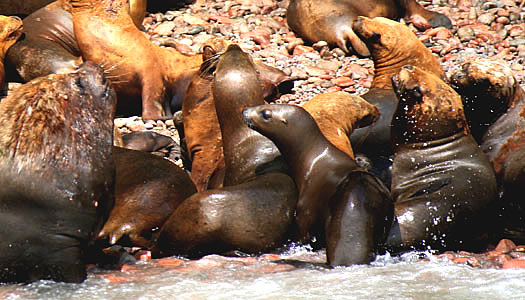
299, 274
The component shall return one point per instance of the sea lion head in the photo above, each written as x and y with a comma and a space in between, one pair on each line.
279, 122
382, 35
488, 88
393, 45
235, 80
58, 106
11, 29
428, 108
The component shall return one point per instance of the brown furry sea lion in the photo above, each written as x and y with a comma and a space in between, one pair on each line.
331, 20
11, 28
254, 209
49, 45
56, 187
442, 183
158, 76
392, 45
337, 114
495, 108
350, 208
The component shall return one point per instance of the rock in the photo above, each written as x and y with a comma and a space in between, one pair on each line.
505, 246
514, 264
164, 29
486, 18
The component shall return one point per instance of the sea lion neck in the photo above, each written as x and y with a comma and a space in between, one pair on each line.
112, 9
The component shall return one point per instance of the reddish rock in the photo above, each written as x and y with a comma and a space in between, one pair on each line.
514, 264
301, 49
505, 246
164, 29
343, 81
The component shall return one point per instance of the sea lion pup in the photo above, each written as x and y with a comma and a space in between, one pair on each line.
337, 114
56, 188
160, 76
49, 45
148, 188
202, 132
352, 206
495, 108
11, 28
254, 210
442, 183
331, 20
148, 141
392, 45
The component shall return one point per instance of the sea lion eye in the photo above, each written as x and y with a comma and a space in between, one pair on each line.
417, 92
266, 114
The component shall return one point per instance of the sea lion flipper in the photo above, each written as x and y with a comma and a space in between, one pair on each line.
357, 44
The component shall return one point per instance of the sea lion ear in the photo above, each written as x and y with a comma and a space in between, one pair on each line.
207, 52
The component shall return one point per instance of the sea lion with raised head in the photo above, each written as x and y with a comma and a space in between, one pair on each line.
442, 183
494, 105
253, 211
148, 188
331, 20
202, 132
56, 187
392, 45
349, 207
11, 28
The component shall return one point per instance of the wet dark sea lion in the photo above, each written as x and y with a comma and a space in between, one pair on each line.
392, 45
351, 206
11, 28
495, 107
254, 210
442, 183
148, 188
331, 20
201, 126
337, 114
104, 31
49, 45
56, 187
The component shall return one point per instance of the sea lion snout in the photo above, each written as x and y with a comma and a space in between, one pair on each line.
92, 78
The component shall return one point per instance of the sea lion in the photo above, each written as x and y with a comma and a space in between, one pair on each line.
160, 76
17, 7
442, 183
148, 141
337, 114
202, 133
49, 45
392, 45
495, 108
254, 209
11, 28
148, 188
56, 188
352, 206
331, 20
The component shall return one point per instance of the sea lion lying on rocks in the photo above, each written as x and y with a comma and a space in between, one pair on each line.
331, 20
